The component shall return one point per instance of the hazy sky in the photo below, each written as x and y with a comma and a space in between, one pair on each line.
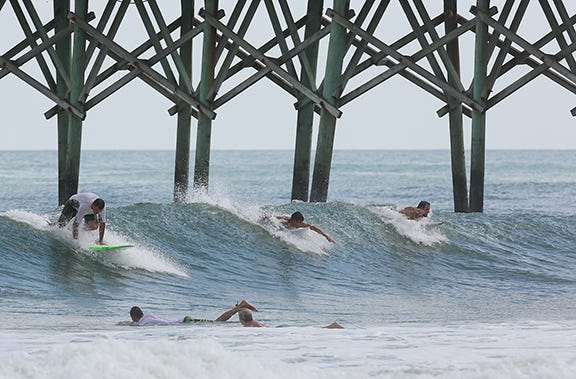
395, 115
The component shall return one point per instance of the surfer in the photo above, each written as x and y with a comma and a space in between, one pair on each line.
243, 308
296, 221
138, 316
415, 213
87, 207
246, 319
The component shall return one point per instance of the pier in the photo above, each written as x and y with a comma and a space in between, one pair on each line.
323, 54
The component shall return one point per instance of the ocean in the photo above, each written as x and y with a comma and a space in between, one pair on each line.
455, 295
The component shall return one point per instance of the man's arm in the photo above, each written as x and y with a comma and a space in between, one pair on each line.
317, 230
229, 313
75, 230
102, 230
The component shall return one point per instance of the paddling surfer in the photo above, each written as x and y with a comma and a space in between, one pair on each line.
139, 318
247, 320
415, 213
243, 308
84, 207
296, 221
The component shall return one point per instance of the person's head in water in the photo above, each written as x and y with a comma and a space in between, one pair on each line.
297, 216
136, 314
246, 319
425, 206
245, 316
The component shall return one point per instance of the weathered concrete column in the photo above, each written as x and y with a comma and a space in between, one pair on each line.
182, 161
457, 151
479, 118
203, 134
327, 127
303, 148
63, 49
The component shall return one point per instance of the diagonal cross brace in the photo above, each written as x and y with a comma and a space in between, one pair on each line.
136, 72
39, 49
139, 64
6, 64
406, 62
537, 69
122, 64
264, 70
545, 58
271, 65
399, 69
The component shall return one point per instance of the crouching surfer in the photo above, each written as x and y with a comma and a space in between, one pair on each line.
88, 208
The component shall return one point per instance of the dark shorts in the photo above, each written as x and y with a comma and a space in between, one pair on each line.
90, 217
69, 212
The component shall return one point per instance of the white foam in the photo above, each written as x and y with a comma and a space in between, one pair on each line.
139, 257
518, 351
32, 219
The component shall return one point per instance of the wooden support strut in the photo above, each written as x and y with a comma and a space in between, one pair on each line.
248, 61
326, 129
44, 36
520, 58
567, 82
123, 64
305, 118
139, 64
136, 72
6, 64
264, 70
204, 125
400, 69
545, 58
183, 130
91, 80
232, 49
406, 62
271, 65
457, 149
478, 145
379, 58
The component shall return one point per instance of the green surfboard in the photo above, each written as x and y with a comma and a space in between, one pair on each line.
108, 247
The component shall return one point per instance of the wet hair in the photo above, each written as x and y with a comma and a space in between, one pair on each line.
245, 315
99, 203
422, 204
297, 216
136, 313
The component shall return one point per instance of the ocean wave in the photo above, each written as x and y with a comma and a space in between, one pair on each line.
213, 245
